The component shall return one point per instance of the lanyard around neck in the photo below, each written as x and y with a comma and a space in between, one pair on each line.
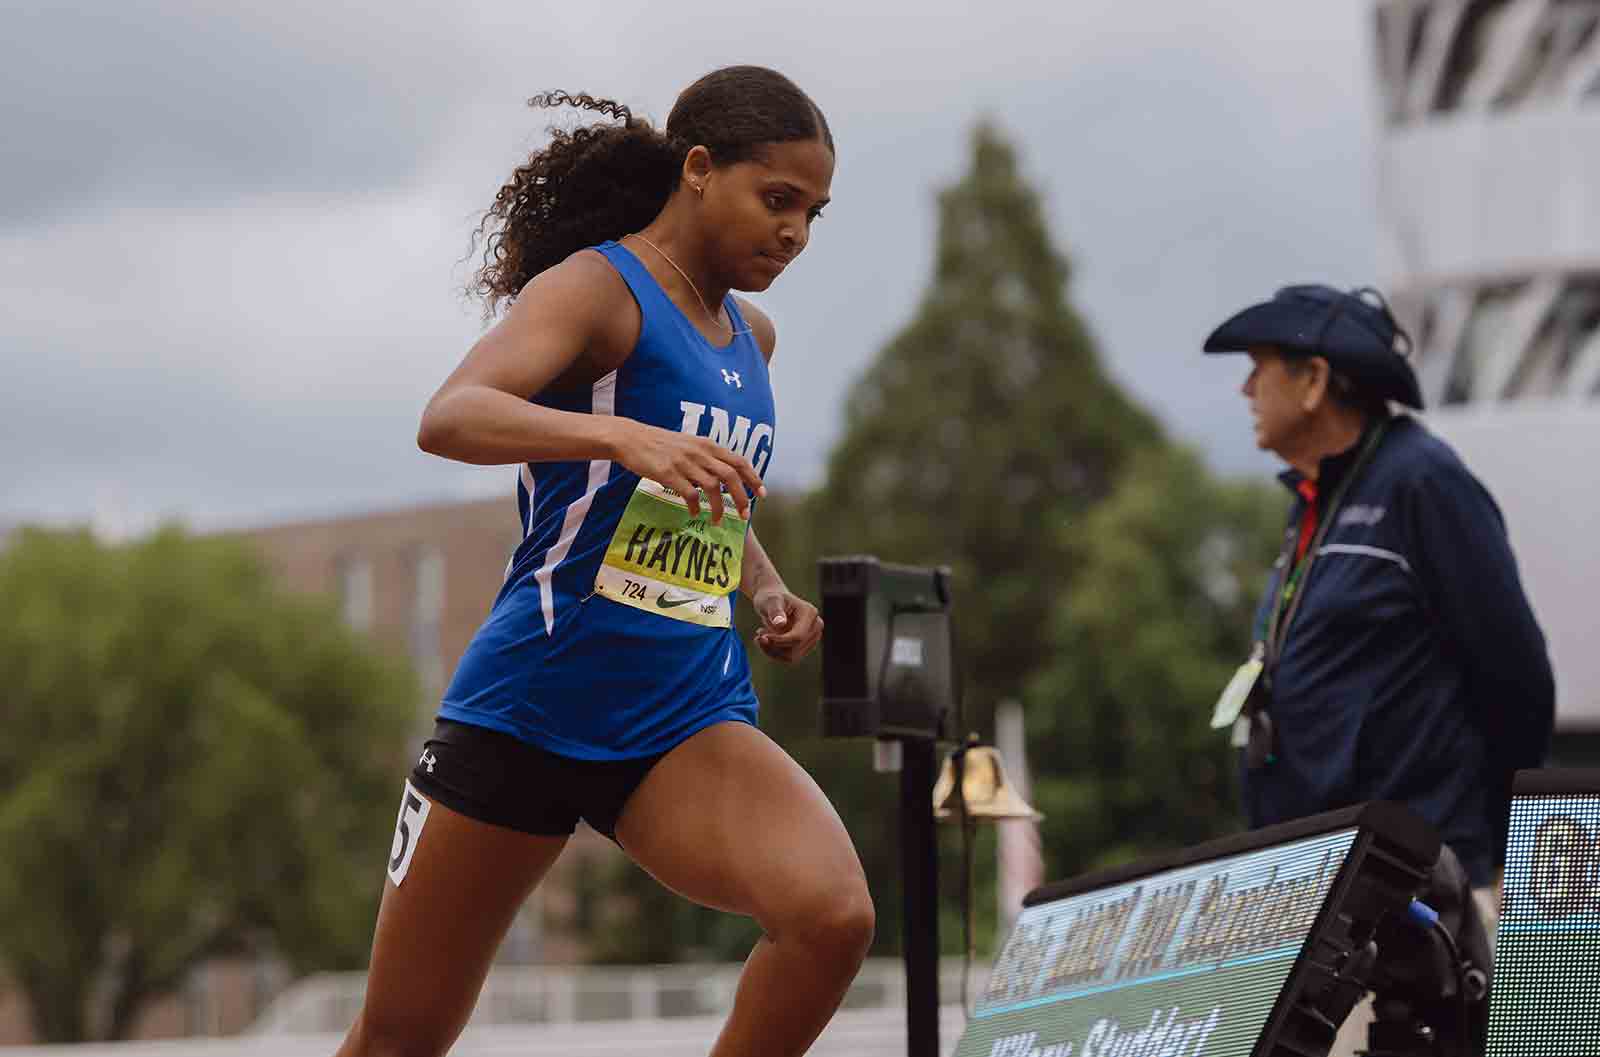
1291, 588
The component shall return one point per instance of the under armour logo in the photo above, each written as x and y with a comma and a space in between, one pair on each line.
428, 759
731, 378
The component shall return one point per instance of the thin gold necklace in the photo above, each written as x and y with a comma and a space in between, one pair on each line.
712, 315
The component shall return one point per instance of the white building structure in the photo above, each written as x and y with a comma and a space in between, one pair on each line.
1489, 188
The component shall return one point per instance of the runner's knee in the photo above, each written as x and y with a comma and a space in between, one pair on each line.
837, 922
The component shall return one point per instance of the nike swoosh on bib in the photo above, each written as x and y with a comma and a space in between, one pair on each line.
662, 602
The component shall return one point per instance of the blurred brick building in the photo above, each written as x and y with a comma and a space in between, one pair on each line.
419, 580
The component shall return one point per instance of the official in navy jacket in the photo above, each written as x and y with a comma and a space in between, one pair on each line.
1399, 657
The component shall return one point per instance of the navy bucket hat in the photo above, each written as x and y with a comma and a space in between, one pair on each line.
1354, 331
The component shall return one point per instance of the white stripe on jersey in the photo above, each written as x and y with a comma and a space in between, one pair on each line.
604, 403
527, 482
526, 486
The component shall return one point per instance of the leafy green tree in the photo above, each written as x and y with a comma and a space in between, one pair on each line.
197, 764
1169, 570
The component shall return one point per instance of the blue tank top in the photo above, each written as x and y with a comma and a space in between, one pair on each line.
612, 635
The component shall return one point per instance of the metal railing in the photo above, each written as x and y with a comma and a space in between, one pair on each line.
328, 1002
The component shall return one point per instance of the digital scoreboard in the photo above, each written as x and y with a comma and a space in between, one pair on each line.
1545, 996
1250, 945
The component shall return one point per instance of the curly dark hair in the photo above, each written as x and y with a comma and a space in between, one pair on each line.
604, 180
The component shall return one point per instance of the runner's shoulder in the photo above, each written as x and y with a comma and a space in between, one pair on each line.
589, 296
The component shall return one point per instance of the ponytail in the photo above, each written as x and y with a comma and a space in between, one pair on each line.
586, 186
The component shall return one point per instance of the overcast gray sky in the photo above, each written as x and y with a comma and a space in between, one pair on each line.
232, 236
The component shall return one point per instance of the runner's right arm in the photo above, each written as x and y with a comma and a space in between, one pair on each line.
577, 318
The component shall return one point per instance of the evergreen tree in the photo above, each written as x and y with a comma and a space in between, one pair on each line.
987, 436
984, 426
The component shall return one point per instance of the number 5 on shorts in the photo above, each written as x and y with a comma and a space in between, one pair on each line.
407, 831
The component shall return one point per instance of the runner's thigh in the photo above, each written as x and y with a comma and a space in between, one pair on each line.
730, 821
461, 883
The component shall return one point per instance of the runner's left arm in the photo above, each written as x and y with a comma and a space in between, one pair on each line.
791, 627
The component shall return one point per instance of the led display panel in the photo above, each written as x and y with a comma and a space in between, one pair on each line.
1545, 996
1211, 952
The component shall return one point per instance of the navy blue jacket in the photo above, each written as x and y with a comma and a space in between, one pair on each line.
1414, 670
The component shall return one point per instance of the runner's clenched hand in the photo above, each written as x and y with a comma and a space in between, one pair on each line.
790, 628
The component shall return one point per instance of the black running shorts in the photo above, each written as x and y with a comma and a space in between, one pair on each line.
501, 780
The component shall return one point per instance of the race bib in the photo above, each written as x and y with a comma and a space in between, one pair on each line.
666, 562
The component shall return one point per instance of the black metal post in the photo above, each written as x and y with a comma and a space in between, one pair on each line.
919, 872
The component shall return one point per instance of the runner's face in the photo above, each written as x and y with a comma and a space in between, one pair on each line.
760, 212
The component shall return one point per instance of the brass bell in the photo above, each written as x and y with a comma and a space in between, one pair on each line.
989, 796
